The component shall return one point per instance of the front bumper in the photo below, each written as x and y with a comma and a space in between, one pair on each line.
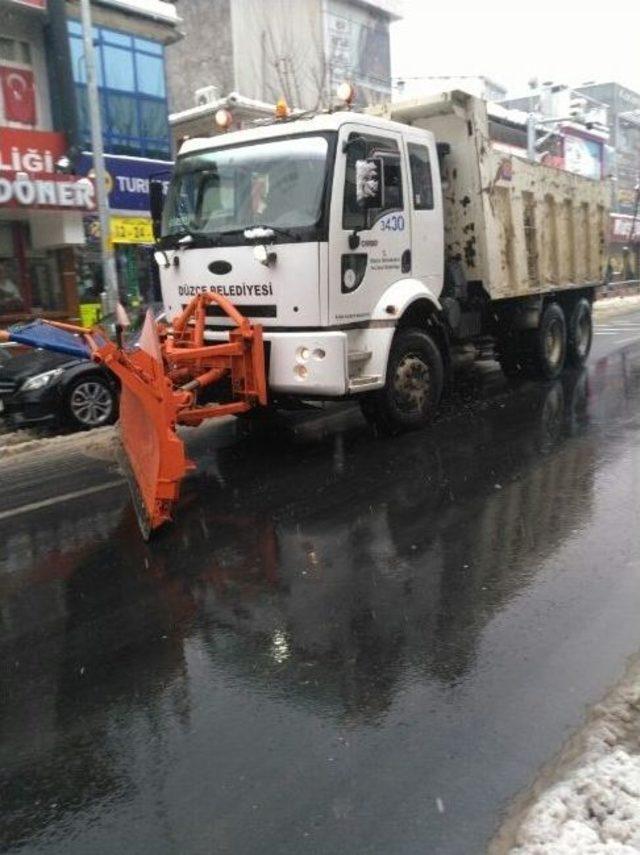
304, 363
44, 406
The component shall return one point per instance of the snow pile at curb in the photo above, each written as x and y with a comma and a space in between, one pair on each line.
615, 305
97, 441
596, 811
594, 808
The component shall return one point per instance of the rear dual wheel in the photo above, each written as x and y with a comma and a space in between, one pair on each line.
559, 340
579, 333
549, 343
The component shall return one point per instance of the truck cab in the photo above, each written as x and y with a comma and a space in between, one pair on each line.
271, 218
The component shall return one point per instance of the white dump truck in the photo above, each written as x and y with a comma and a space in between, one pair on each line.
343, 255
367, 246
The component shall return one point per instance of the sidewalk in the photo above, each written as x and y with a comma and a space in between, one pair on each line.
587, 801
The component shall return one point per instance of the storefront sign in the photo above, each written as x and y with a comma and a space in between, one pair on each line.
131, 230
35, 152
66, 192
28, 177
621, 227
583, 156
128, 180
19, 94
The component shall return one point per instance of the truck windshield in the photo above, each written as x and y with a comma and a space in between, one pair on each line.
278, 183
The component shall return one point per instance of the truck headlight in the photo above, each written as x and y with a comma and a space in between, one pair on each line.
38, 381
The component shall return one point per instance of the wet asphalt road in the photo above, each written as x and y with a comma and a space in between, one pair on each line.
345, 644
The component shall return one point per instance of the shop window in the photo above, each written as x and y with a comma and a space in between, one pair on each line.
132, 88
30, 279
44, 276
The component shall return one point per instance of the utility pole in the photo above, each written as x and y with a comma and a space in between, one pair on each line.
109, 276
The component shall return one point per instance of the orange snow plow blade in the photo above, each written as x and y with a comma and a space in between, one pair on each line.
161, 380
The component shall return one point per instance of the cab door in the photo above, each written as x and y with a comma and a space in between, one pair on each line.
370, 250
427, 232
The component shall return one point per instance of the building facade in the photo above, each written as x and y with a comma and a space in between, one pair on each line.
296, 49
49, 246
130, 57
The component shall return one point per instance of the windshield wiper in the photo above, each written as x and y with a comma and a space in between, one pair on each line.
187, 239
266, 232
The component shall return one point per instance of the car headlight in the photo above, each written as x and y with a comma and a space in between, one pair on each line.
38, 381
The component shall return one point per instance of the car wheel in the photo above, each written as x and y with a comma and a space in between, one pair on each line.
91, 402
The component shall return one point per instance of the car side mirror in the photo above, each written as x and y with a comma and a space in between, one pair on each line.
156, 204
369, 183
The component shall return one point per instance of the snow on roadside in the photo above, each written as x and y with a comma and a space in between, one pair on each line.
616, 305
97, 441
588, 801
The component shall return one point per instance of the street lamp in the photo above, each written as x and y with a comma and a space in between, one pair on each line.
109, 276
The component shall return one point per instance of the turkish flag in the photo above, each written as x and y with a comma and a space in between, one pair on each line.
18, 94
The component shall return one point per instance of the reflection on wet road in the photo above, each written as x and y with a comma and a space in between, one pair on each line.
347, 643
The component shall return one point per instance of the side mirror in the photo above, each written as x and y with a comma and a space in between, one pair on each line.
369, 183
156, 204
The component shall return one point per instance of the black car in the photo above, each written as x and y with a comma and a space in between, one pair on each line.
41, 387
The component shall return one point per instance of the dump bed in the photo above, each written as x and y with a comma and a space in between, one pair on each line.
518, 227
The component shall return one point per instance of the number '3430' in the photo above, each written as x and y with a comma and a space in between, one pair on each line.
393, 223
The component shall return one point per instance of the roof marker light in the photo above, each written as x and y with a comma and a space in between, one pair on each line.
223, 119
282, 109
346, 92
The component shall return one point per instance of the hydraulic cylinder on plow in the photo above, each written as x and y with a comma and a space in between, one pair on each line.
161, 380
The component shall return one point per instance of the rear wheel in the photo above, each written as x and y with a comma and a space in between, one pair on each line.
91, 402
549, 343
579, 333
413, 387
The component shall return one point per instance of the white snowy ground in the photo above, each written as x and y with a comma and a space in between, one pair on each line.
587, 802
615, 305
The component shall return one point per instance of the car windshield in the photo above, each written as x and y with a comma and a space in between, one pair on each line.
279, 183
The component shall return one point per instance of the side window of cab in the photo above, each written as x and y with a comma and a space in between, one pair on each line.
367, 146
421, 178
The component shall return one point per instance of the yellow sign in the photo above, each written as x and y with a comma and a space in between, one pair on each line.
131, 230
89, 314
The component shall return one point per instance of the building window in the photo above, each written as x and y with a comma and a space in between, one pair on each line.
17, 83
133, 97
12, 50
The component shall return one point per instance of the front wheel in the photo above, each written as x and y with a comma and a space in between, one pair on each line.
413, 386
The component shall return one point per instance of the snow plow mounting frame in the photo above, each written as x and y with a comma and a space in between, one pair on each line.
161, 379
